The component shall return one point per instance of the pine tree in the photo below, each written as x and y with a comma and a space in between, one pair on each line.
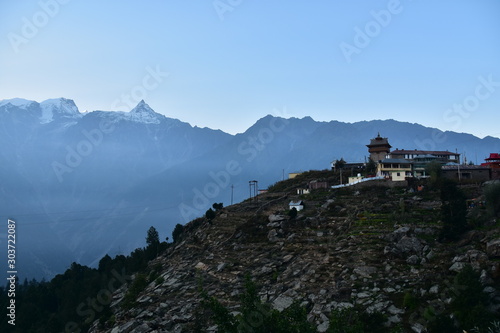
453, 210
152, 238
177, 232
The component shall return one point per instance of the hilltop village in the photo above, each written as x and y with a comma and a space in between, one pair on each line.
399, 165
396, 244
390, 245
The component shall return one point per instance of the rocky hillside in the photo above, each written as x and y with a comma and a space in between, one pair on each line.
67, 173
374, 246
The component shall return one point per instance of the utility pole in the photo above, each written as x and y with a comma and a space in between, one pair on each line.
253, 188
232, 191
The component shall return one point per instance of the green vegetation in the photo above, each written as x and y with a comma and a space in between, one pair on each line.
218, 206
67, 300
492, 195
140, 282
410, 301
453, 210
256, 316
177, 232
355, 320
470, 303
442, 324
371, 167
210, 214
152, 238
434, 170
339, 164
155, 273
469, 307
364, 212
73, 300
292, 213
153, 243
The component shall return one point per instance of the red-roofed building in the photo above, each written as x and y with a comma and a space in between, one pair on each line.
493, 162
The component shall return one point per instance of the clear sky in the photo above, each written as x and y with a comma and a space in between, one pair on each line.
231, 62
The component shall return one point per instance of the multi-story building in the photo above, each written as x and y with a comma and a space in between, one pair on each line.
421, 158
401, 163
378, 148
396, 169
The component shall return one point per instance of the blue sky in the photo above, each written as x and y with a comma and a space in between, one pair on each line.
231, 62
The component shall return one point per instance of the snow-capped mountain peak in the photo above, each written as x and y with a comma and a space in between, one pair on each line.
45, 111
61, 107
142, 106
143, 113
19, 102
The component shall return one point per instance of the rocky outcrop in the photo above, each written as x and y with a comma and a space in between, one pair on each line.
341, 251
493, 248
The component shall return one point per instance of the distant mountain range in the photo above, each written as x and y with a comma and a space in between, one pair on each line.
82, 185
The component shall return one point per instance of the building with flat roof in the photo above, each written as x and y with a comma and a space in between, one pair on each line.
439, 155
396, 169
399, 164
421, 158
466, 172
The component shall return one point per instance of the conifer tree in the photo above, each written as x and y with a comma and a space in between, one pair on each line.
152, 238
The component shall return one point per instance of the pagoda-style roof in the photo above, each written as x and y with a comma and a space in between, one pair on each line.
379, 141
493, 157
493, 161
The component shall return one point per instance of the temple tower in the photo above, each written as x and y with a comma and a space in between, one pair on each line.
378, 148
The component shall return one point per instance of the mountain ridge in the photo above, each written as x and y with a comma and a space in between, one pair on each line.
106, 162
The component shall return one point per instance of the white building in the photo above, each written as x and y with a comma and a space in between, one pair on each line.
298, 205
